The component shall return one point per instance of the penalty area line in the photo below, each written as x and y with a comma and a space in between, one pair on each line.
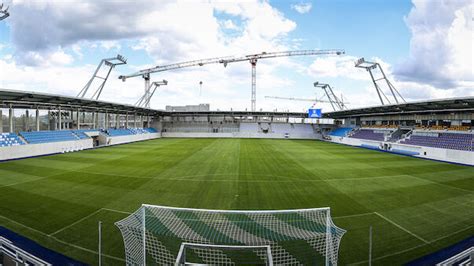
401, 227
76, 222
61, 241
412, 248
112, 210
354, 215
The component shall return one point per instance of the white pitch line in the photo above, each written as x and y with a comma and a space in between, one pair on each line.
412, 248
76, 222
86, 249
189, 178
353, 215
20, 224
61, 241
389, 255
401, 227
112, 210
23, 182
442, 184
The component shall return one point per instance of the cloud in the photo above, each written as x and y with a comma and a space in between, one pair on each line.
39, 25
229, 25
48, 58
167, 31
41, 30
340, 66
302, 8
110, 45
441, 44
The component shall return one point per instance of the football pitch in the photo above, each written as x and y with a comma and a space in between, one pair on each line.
415, 206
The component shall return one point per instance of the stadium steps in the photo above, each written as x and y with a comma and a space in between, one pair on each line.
80, 133
405, 137
20, 137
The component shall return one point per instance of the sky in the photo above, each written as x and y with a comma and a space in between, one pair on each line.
424, 46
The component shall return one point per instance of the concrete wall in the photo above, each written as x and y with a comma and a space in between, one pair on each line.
29, 150
130, 138
237, 135
456, 156
251, 130
158, 125
447, 155
195, 135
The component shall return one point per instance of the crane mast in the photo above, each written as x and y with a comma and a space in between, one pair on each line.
336, 103
145, 73
144, 101
370, 67
109, 64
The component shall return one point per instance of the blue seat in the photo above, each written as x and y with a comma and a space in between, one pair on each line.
48, 136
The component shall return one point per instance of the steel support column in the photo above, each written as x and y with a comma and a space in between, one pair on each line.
93, 119
59, 118
117, 120
27, 120
78, 118
10, 119
106, 120
49, 119
126, 120
37, 120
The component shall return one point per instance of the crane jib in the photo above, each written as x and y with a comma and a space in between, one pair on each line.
231, 59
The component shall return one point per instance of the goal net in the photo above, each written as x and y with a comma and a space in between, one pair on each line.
192, 254
157, 234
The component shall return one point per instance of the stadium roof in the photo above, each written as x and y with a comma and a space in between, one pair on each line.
464, 104
240, 113
33, 100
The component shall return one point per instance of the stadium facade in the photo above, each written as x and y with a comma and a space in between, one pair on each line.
435, 129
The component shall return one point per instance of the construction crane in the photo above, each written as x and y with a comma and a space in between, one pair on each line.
227, 60
369, 66
297, 99
144, 101
3, 13
109, 63
336, 103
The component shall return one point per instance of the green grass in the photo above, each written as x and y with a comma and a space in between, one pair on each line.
415, 206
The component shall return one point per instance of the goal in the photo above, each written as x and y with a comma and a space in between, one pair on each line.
168, 235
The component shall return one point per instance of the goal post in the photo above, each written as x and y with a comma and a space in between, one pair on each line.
165, 235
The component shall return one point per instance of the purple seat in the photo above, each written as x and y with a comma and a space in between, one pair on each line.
368, 134
454, 141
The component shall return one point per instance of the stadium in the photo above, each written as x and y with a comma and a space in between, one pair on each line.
88, 181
